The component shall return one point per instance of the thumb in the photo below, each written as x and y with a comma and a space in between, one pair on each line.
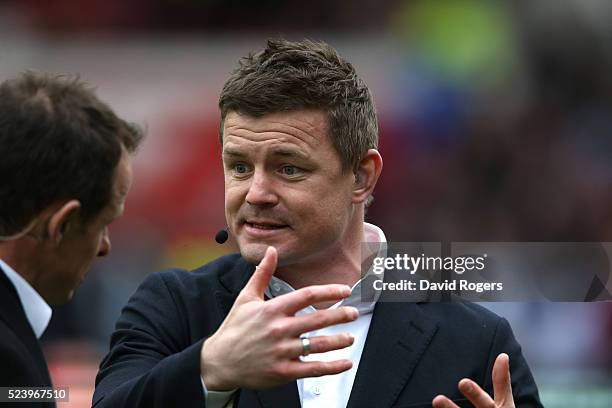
502, 386
258, 283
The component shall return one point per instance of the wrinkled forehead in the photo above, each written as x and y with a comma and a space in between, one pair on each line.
304, 128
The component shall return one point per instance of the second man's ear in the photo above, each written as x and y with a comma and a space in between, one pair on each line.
61, 219
367, 172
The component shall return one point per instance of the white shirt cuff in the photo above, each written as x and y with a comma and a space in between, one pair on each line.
216, 399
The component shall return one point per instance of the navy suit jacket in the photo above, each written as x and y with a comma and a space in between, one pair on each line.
22, 363
413, 352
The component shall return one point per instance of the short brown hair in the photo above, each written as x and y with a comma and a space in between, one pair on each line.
288, 76
57, 141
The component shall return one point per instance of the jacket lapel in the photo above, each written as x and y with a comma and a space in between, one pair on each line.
398, 336
232, 280
11, 311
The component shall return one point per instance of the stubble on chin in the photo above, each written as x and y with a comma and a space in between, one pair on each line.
253, 253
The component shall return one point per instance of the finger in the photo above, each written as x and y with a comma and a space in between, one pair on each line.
321, 344
502, 387
292, 302
304, 369
320, 319
475, 394
258, 283
443, 402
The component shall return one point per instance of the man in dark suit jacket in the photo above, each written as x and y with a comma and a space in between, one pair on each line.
65, 174
300, 137
23, 362
414, 351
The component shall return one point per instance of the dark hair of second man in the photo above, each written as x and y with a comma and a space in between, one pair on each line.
57, 141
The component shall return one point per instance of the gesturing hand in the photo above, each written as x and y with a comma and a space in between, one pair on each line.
502, 389
258, 344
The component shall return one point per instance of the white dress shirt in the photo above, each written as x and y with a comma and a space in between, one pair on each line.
37, 311
331, 390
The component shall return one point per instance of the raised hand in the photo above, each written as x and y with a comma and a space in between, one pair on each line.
502, 389
258, 344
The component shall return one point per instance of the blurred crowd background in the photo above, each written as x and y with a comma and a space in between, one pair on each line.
496, 125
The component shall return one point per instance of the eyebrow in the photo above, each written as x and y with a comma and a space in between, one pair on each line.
276, 151
232, 152
288, 152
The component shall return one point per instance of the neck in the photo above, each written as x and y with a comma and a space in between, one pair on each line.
339, 264
17, 254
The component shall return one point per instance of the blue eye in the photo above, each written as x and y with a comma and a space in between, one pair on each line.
289, 170
240, 168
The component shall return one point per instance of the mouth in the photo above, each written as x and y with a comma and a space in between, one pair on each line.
265, 225
263, 228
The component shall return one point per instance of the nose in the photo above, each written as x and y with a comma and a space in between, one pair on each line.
105, 244
261, 191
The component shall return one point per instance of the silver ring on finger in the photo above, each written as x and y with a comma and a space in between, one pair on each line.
305, 346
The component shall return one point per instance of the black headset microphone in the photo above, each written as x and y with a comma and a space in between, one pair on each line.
221, 236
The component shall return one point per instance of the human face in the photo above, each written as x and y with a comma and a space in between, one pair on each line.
83, 241
285, 186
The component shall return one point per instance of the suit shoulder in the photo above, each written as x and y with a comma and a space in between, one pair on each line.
211, 270
198, 282
220, 265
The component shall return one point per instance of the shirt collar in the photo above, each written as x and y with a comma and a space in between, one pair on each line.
373, 234
37, 311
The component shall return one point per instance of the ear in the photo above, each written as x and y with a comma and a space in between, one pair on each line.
61, 218
367, 172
